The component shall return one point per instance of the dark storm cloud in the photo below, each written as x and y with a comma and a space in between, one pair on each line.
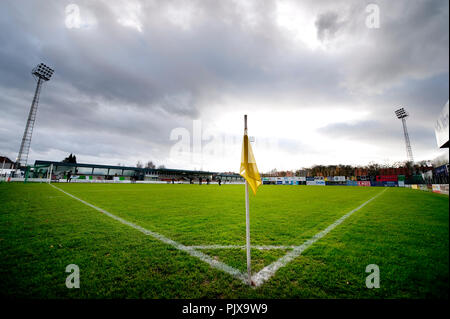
118, 92
327, 25
410, 44
379, 134
144, 69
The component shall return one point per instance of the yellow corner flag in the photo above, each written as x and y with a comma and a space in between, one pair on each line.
248, 164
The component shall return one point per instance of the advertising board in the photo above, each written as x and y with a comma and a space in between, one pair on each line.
316, 183
386, 178
436, 188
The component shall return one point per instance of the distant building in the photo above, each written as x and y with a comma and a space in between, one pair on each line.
289, 173
113, 172
6, 163
395, 171
361, 172
229, 177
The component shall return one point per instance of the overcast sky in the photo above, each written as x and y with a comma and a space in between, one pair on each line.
149, 80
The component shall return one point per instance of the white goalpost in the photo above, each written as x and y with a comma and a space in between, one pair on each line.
49, 174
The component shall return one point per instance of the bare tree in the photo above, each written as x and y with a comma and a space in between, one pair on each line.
373, 169
139, 164
150, 165
70, 159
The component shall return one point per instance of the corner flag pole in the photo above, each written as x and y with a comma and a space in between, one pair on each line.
247, 212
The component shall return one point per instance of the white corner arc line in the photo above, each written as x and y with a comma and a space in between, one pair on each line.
191, 251
267, 247
268, 271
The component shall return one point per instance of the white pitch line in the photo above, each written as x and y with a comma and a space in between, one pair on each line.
267, 247
191, 251
268, 271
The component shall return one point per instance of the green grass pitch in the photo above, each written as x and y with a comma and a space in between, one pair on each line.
42, 230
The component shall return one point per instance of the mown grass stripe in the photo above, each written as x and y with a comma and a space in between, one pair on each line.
259, 247
191, 251
268, 271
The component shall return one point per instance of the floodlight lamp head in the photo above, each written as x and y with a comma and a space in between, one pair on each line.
43, 72
401, 113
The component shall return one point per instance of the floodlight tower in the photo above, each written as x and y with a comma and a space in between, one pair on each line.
402, 114
41, 73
